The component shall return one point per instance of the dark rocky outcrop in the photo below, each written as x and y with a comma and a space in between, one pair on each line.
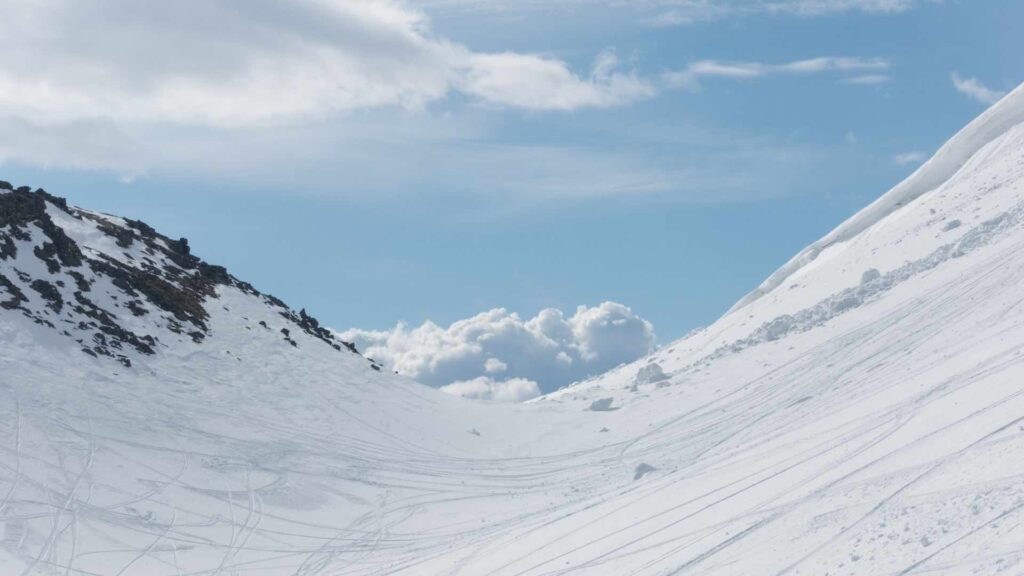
19, 209
155, 277
15, 297
184, 300
109, 337
50, 293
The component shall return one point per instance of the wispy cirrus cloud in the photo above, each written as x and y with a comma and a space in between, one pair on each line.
361, 99
681, 12
690, 76
975, 90
868, 79
820, 7
535, 83
908, 158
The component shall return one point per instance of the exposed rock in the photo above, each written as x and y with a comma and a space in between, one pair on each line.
21, 208
50, 293
124, 237
185, 302
110, 335
155, 276
15, 297
8, 249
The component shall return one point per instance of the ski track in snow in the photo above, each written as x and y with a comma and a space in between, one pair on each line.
863, 414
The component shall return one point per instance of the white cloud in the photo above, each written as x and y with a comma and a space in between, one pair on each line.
310, 96
486, 388
83, 143
975, 90
494, 365
825, 7
691, 75
908, 158
680, 12
690, 12
379, 157
213, 64
867, 79
339, 99
549, 349
535, 83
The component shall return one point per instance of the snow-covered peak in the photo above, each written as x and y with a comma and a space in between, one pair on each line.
993, 123
969, 196
119, 289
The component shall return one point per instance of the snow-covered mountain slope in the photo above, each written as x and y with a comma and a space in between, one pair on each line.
159, 416
115, 287
862, 413
950, 159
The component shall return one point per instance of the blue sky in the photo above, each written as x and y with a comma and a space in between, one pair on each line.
665, 154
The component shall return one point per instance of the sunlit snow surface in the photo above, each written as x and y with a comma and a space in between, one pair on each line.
863, 416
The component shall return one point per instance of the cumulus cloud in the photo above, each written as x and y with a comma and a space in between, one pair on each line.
486, 388
213, 63
975, 90
483, 354
494, 365
691, 75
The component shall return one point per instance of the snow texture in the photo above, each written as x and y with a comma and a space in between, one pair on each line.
947, 161
864, 415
